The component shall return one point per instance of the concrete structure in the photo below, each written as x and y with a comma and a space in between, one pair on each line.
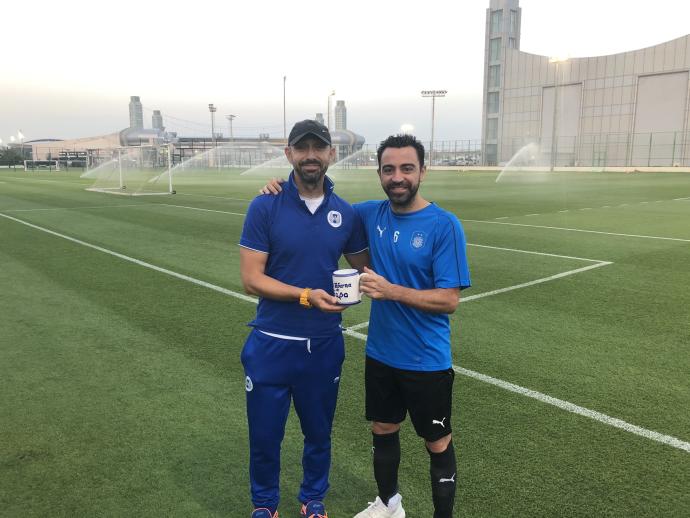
51, 149
136, 113
319, 118
623, 109
340, 115
346, 142
157, 120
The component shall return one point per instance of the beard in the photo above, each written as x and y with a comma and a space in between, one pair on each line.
401, 198
313, 176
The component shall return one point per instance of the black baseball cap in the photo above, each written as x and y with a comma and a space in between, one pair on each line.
309, 127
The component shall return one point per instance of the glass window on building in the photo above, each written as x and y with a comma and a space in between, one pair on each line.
495, 49
492, 102
511, 43
491, 129
491, 154
513, 22
496, 21
494, 76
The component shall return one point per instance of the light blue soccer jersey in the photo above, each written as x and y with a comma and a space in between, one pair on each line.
422, 250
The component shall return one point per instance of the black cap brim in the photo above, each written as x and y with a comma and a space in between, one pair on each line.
299, 137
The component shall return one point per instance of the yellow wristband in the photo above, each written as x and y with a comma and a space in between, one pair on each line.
304, 298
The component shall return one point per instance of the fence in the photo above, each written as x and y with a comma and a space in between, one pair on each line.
665, 149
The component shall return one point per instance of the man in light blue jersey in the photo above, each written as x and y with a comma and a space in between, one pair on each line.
418, 267
291, 245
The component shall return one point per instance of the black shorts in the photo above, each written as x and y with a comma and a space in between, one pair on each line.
426, 395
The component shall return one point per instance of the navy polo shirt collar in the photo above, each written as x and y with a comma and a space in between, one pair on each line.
328, 187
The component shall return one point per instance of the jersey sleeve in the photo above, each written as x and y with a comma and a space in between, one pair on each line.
358, 238
450, 266
255, 232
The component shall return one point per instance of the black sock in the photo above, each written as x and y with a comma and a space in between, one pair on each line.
443, 470
386, 462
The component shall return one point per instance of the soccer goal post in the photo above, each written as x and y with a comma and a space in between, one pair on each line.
134, 171
34, 165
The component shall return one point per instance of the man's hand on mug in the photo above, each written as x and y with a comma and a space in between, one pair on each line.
374, 285
324, 301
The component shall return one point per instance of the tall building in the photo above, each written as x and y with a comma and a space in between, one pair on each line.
502, 32
136, 112
626, 109
340, 115
157, 120
319, 118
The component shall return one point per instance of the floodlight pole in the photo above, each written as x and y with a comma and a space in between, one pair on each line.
329, 109
284, 117
119, 167
170, 188
554, 123
230, 119
433, 94
213, 110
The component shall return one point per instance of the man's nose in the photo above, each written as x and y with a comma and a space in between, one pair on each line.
312, 151
397, 175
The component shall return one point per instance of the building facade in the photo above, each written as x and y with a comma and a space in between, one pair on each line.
340, 115
157, 120
136, 112
626, 109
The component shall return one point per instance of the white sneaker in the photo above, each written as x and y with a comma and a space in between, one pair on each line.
377, 509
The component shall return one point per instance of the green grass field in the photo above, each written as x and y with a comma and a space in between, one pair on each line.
122, 325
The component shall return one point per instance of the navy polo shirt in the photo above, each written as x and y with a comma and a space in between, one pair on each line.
303, 250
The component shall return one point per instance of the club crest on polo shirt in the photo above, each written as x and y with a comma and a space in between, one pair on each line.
248, 385
335, 219
418, 240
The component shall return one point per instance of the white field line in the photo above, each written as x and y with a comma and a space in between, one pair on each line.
79, 208
358, 326
534, 282
565, 405
577, 230
516, 286
135, 261
538, 253
570, 407
202, 210
43, 180
127, 205
209, 196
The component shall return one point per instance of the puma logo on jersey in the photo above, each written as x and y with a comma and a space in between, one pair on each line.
451, 479
434, 421
381, 230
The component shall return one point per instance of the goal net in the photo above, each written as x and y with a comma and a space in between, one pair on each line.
132, 171
46, 165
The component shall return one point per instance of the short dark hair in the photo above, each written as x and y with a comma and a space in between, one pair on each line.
399, 141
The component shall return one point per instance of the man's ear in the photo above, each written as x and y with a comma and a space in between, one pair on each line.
422, 174
331, 155
288, 153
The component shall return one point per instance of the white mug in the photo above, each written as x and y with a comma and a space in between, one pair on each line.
346, 286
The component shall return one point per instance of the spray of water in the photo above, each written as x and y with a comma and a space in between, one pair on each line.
529, 164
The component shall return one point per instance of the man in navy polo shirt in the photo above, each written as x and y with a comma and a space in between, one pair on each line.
290, 246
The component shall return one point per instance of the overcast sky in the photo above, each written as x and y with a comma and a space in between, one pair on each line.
69, 67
